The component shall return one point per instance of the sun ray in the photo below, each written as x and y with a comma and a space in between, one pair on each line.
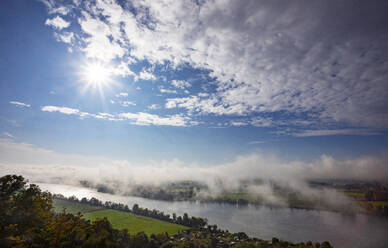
96, 76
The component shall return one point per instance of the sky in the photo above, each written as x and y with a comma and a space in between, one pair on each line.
200, 82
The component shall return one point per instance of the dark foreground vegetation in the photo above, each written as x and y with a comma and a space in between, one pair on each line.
27, 220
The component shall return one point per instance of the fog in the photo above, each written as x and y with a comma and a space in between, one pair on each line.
121, 176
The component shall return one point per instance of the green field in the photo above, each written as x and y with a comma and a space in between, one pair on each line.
375, 204
236, 196
134, 223
119, 219
358, 194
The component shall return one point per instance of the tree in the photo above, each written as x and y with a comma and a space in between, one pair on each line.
135, 208
24, 211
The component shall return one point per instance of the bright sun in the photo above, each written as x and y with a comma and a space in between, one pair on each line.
96, 74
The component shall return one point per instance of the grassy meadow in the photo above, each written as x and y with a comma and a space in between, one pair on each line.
119, 219
134, 223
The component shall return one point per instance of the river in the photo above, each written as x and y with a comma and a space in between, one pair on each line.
296, 225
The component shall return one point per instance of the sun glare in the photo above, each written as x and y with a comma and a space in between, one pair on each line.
96, 74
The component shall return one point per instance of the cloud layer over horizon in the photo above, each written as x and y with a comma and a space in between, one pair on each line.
71, 168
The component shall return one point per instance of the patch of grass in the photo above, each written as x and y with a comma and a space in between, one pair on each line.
73, 207
354, 193
134, 223
375, 204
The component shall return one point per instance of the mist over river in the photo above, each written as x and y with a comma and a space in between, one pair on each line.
296, 225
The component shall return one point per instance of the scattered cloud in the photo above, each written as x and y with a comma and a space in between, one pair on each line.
181, 84
154, 106
145, 119
20, 104
63, 110
8, 135
127, 103
311, 133
206, 105
122, 94
54, 8
256, 142
140, 118
57, 23
167, 91
145, 75
262, 122
66, 37
238, 123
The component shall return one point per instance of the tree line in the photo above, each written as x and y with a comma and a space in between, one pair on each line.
184, 220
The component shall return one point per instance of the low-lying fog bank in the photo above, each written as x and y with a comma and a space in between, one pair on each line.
262, 177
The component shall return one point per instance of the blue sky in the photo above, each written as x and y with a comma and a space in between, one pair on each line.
202, 82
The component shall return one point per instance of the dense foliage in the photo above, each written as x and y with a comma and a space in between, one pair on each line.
27, 220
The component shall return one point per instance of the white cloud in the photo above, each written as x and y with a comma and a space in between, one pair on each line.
63, 110
20, 104
209, 105
140, 118
123, 70
167, 91
127, 103
98, 44
262, 122
256, 142
145, 75
238, 123
105, 116
328, 132
66, 37
57, 23
154, 106
8, 135
53, 7
181, 84
145, 119
122, 94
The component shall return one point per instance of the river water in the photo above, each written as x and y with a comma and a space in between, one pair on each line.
296, 225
